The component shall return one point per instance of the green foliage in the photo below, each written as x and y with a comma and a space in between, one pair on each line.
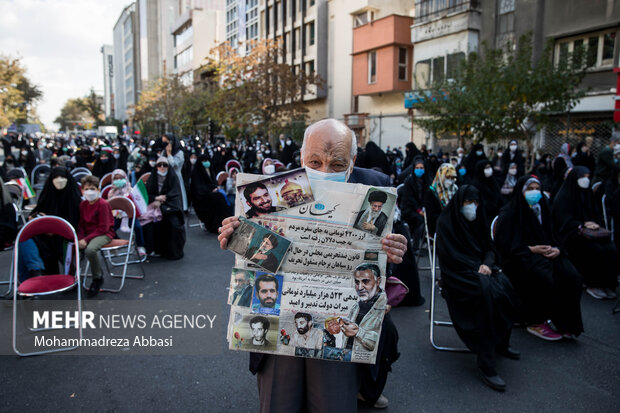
18, 95
503, 93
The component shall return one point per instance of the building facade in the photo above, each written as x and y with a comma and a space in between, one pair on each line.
126, 63
198, 28
107, 53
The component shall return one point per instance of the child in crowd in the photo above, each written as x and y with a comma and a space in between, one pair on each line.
96, 228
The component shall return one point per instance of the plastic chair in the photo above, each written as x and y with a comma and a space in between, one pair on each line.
125, 205
79, 175
41, 169
105, 180
145, 177
46, 284
430, 243
436, 285
17, 195
80, 170
105, 191
493, 226
233, 163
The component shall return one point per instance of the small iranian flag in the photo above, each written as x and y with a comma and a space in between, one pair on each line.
26, 187
140, 196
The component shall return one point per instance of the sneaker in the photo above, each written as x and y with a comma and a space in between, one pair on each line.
142, 251
610, 293
94, 288
544, 331
597, 293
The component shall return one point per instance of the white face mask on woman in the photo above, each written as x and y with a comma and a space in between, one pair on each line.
583, 182
469, 211
488, 172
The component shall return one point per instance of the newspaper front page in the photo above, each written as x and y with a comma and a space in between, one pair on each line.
327, 298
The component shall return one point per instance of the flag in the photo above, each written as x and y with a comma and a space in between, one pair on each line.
140, 196
24, 183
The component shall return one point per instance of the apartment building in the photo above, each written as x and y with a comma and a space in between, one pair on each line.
126, 59
107, 54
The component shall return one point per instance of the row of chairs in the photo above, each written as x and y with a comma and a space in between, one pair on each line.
52, 284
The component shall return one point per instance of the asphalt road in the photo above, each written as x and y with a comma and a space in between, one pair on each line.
580, 376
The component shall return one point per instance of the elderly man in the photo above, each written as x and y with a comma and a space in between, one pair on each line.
288, 384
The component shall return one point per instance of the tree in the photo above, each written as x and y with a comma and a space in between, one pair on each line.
73, 114
159, 103
18, 95
92, 104
257, 89
504, 93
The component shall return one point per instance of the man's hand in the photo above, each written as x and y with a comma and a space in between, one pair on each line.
485, 270
82, 244
395, 245
350, 329
161, 198
228, 227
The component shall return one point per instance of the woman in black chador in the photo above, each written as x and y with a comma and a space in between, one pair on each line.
480, 299
574, 212
209, 203
483, 180
547, 283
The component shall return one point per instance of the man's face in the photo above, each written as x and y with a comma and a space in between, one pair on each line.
267, 294
240, 281
258, 331
376, 206
303, 326
365, 284
333, 327
260, 200
327, 150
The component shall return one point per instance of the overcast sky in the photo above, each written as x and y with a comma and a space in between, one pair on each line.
59, 42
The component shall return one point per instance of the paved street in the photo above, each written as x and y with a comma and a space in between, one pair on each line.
580, 376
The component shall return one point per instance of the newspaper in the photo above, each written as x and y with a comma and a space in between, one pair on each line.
325, 301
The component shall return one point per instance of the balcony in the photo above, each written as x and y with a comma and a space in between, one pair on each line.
429, 10
440, 18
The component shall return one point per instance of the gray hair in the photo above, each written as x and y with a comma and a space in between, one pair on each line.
338, 127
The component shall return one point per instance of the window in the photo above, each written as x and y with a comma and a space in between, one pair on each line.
402, 64
297, 39
360, 19
183, 58
453, 63
310, 34
183, 35
435, 69
599, 48
372, 67
309, 67
423, 74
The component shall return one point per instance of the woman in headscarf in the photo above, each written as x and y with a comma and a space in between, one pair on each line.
475, 155
209, 202
480, 299
165, 237
547, 283
437, 196
513, 156
122, 187
27, 159
8, 165
489, 190
411, 152
61, 197
509, 180
583, 156
374, 157
411, 201
103, 164
574, 215
176, 157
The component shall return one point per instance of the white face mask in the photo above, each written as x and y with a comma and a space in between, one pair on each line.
160, 173
512, 171
469, 211
270, 169
448, 182
91, 194
152, 163
488, 172
59, 182
192, 161
326, 176
513, 148
24, 153
583, 182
